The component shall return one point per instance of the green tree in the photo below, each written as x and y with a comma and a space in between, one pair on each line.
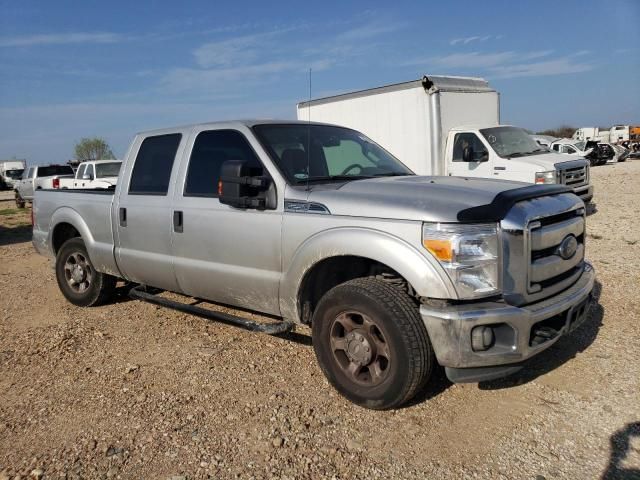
95, 148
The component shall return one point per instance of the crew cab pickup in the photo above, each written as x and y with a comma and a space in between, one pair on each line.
93, 174
39, 177
316, 224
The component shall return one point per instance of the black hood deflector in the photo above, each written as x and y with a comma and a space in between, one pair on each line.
503, 201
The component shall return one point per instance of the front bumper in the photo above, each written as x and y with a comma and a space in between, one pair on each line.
585, 192
450, 329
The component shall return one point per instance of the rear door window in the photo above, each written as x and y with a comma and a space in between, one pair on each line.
152, 170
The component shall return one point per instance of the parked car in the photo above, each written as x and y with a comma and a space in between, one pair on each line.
591, 150
449, 126
39, 177
11, 172
544, 140
316, 224
93, 174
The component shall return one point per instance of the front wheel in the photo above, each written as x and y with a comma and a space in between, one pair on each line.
78, 280
371, 343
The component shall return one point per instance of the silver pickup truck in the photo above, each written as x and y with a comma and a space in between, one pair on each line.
316, 224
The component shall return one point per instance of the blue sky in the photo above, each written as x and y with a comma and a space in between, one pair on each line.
110, 69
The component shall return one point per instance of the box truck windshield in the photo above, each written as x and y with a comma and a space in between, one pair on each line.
510, 142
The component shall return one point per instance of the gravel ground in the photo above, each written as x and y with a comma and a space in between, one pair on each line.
129, 390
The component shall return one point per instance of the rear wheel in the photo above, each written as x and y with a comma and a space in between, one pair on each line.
20, 203
78, 280
371, 343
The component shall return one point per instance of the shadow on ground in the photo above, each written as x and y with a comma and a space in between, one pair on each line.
561, 352
620, 445
17, 234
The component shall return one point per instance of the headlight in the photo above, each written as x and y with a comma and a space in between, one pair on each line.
469, 255
546, 177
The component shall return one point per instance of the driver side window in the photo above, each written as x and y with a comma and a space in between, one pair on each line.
463, 140
347, 153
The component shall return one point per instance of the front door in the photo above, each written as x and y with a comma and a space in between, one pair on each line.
142, 216
477, 163
221, 253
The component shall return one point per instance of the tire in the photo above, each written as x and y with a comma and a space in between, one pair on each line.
20, 202
78, 281
371, 343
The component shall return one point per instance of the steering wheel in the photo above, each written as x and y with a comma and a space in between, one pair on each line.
351, 167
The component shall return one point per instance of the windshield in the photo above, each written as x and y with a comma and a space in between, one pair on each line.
53, 170
323, 153
580, 145
107, 169
15, 174
509, 142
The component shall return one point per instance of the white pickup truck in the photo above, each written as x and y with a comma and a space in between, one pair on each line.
93, 174
39, 177
449, 126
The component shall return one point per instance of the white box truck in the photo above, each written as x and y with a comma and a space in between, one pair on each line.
11, 172
449, 126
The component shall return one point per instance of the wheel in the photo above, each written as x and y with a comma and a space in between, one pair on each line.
79, 282
371, 343
20, 203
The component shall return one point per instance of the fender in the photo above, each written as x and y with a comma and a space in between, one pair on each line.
419, 268
101, 250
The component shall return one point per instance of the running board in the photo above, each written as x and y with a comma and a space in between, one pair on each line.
140, 293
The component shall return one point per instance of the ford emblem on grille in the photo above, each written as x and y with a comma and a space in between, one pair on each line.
568, 247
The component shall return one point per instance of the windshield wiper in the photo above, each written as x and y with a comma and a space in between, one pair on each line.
329, 178
522, 154
392, 174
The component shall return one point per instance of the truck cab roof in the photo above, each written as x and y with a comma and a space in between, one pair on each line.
233, 124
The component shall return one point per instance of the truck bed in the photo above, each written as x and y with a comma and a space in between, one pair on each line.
88, 211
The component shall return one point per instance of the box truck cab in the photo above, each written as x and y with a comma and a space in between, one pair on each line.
449, 126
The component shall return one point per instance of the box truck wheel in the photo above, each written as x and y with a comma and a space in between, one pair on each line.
371, 343
20, 203
78, 280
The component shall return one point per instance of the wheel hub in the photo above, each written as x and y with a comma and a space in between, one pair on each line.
78, 274
358, 349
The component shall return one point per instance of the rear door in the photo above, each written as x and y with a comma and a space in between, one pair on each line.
78, 178
225, 254
142, 216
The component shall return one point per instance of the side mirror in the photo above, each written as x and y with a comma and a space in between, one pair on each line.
238, 188
467, 154
87, 176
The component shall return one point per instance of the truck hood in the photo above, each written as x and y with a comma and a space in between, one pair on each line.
433, 199
546, 161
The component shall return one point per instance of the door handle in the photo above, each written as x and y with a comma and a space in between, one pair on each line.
122, 214
499, 168
177, 221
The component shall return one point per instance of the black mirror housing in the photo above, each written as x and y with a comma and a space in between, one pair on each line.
467, 154
238, 188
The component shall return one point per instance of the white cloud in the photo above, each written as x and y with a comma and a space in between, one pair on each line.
560, 66
475, 38
231, 64
477, 59
59, 39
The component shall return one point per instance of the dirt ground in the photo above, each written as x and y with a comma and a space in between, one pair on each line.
129, 390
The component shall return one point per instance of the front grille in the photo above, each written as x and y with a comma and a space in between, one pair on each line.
547, 267
574, 177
